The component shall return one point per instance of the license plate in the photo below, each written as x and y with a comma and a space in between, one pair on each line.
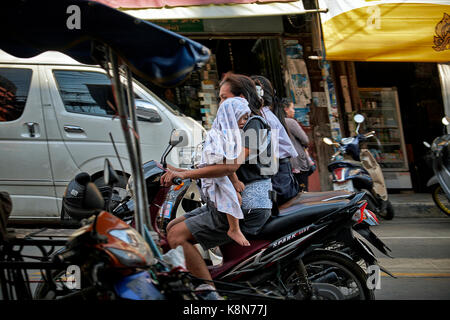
347, 185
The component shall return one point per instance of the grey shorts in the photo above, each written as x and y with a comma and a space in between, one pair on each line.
209, 226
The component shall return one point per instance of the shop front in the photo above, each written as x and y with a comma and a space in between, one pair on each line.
269, 38
388, 57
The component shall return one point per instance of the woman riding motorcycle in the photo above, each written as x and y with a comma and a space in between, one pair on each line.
205, 225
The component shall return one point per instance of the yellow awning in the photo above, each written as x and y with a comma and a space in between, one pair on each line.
383, 30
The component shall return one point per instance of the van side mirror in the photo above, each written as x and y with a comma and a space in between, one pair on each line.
148, 115
93, 199
145, 111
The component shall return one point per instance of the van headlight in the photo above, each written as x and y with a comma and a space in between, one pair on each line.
136, 252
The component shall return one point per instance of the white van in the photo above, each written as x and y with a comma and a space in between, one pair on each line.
55, 120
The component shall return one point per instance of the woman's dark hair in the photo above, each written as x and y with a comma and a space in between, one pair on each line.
270, 99
285, 102
240, 84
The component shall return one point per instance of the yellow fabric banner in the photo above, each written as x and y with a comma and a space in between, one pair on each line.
377, 30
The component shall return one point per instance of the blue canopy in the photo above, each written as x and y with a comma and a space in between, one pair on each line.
79, 28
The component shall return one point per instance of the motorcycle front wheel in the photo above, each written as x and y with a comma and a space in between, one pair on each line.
441, 200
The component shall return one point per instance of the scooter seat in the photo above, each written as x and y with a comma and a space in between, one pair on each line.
344, 164
295, 217
309, 197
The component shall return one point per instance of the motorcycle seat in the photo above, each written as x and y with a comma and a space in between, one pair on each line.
295, 217
309, 197
344, 164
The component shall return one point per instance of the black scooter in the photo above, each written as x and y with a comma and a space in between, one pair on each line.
440, 182
357, 170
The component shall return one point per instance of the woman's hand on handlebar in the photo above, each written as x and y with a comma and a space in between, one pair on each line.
168, 177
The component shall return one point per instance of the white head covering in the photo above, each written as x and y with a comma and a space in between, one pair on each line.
222, 142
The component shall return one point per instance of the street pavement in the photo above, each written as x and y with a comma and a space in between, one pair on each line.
421, 259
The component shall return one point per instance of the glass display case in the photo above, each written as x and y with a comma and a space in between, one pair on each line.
381, 109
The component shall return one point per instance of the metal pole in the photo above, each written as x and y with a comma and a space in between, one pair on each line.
142, 200
139, 193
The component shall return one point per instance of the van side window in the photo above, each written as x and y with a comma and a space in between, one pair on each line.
14, 88
86, 92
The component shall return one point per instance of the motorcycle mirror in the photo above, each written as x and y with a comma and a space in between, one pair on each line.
178, 138
426, 144
446, 121
328, 141
93, 198
359, 118
109, 175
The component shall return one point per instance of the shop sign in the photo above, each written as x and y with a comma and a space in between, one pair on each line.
186, 25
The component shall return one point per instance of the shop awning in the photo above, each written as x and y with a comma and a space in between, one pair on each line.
205, 9
386, 30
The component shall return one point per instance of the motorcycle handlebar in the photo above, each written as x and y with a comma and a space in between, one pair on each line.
335, 154
177, 181
369, 133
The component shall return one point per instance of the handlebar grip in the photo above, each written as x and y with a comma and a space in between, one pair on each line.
177, 181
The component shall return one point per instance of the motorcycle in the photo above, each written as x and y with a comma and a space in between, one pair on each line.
440, 182
289, 259
111, 259
356, 169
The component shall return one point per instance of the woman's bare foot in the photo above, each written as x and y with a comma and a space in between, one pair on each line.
237, 236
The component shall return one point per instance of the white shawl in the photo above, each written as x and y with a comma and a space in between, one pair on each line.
224, 141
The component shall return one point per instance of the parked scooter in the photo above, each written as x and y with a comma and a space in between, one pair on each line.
359, 171
440, 182
288, 259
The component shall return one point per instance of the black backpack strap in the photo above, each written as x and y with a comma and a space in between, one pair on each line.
261, 119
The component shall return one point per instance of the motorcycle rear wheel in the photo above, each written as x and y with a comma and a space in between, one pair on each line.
340, 272
440, 199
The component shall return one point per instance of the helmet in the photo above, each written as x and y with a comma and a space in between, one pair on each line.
73, 199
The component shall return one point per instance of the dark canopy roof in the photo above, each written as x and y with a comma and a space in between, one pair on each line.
29, 28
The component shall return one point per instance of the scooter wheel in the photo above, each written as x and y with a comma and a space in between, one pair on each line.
388, 213
440, 198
